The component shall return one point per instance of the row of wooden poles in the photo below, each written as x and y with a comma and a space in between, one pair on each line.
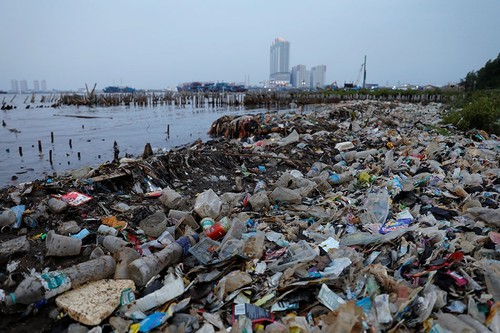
40, 149
218, 99
196, 100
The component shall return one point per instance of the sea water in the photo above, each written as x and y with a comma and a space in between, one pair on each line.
92, 132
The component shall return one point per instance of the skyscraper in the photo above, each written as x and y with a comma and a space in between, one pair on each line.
280, 61
24, 86
300, 77
318, 76
44, 85
14, 86
36, 86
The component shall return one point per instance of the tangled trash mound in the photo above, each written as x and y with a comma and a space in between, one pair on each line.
361, 216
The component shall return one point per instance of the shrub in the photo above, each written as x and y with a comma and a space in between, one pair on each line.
480, 111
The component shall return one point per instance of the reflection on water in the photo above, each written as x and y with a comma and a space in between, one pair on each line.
92, 132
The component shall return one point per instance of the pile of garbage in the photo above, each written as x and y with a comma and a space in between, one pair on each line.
358, 217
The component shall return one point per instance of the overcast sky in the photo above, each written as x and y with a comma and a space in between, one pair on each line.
160, 43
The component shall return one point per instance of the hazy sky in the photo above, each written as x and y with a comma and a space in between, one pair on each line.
160, 43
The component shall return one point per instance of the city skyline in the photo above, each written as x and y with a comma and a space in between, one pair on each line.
161, 44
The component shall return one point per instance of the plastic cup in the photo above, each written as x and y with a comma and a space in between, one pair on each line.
124, 257
60, 246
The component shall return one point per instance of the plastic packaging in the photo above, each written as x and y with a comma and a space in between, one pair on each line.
297, 253
143, 269
260, 186
48, 285
377, 205
204, 250
208, 204
382, 305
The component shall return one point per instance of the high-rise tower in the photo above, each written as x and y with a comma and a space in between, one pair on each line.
318, 76
280, 61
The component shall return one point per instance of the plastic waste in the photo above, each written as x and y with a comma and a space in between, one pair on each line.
218, 229
105, 230
173, 286
14, 246
170, 198
285, 195
143, 269
260, 186
56, 205
154, 225
208, 204
113, 244
47, 285
205, 250
377, 205
296, 253
19, 211
7, 217
315, 169
61, 246
336, 179
124, 257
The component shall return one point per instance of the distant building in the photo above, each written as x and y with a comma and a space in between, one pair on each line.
318, 76
280, 62
44, 85
36, 86
24, 86
14, 86
300, 77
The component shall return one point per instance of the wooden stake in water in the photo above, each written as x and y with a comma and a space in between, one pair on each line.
70, 144
21, 151
50, 156
79, 156
39, 146
51, 137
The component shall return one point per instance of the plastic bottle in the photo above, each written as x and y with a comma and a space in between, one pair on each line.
218, 229
106, 231
143, 269
339, 167
340, 178
354, 155
315, 169
48, 285
7, 217
260, 186
173, 287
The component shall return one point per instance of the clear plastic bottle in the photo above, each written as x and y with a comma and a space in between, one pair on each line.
48, 285
143, 269
340, 178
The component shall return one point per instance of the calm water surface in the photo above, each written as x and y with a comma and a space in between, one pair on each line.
131, 127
